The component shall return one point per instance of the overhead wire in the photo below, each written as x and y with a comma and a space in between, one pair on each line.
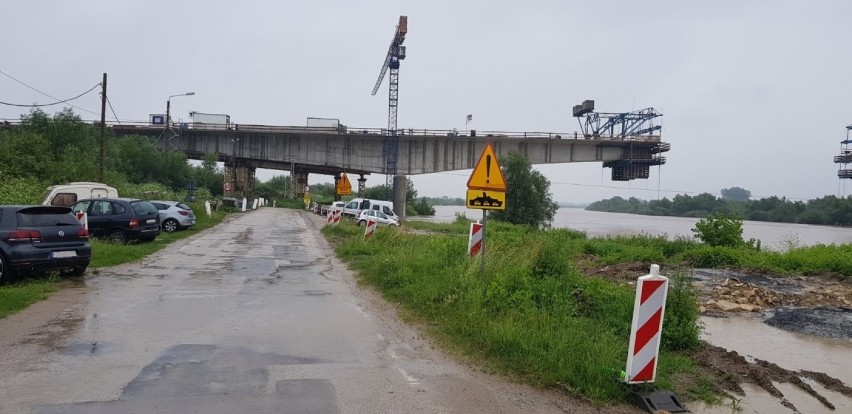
50, 104
113, 112
45, 93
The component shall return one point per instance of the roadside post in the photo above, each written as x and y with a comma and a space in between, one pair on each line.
254, 204
486, 190
83, 218
207, 208
245, 204
370, 229
474, 239
329, 216
338, 213
643, 352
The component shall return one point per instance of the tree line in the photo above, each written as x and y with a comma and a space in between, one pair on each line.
828, 210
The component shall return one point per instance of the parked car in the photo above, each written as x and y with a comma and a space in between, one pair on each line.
39, 238
381, 218
174, 215
354, 207
120, 219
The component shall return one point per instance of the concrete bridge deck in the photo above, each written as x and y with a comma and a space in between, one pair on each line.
360, 151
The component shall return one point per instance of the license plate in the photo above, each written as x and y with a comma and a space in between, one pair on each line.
150, 221
64, 254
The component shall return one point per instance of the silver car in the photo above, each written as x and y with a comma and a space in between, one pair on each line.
174, 215
378, 216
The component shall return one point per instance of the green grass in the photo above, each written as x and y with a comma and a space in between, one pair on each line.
18, 296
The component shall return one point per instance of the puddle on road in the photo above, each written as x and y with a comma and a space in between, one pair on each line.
754, 339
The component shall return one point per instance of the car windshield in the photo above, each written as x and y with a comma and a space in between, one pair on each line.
142, 207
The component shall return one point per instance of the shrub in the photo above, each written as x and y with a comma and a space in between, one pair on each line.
718, 230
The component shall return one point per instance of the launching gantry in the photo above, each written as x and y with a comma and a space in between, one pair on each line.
628, 128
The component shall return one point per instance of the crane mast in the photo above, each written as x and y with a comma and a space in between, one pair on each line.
396, 52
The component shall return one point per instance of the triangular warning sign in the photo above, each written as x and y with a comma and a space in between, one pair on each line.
487, 175
344, 187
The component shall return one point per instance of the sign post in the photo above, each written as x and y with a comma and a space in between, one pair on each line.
486, 190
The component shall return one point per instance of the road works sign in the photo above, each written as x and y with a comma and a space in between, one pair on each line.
486, 200
344, 187
487, 175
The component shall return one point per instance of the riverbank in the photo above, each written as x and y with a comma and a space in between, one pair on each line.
553, 308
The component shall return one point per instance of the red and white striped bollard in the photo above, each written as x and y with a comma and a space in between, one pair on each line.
474, 239
371, 228
647, 327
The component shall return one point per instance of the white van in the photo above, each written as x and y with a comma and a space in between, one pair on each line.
66, 194
357, 205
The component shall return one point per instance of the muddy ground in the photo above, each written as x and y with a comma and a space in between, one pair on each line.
817, 304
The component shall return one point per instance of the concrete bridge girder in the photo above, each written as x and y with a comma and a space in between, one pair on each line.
330, 152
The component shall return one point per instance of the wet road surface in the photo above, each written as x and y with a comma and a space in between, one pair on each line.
254, 315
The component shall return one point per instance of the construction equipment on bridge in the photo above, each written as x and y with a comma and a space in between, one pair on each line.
396, 52
845, 158
627, 127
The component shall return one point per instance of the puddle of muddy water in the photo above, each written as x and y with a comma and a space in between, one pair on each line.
754, 339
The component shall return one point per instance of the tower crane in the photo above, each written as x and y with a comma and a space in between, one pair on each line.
396, 52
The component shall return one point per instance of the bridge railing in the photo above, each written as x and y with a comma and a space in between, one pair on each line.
452, 133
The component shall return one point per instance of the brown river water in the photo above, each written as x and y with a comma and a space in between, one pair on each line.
748, 336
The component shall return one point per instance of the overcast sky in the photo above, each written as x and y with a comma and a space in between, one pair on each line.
755, 94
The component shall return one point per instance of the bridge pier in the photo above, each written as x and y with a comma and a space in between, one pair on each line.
400, 190
299, 181
239, 179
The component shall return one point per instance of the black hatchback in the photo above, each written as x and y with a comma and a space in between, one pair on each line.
120, 219
42, 238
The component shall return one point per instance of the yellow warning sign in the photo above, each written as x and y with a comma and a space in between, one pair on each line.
486, 200
487, 175
344, 187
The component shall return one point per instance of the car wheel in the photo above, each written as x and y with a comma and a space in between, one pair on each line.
118, 236
73, 272
7, 273
362, 223
171, 225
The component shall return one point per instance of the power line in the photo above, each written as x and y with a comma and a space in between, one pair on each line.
44, 93
113, 112
51, 104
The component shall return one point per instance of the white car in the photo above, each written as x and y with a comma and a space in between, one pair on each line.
381, 218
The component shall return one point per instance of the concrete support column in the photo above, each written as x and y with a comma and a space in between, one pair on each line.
400, 190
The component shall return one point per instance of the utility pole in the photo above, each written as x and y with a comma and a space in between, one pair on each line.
103, 128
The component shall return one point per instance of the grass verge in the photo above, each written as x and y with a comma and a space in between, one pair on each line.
537, 314
20, 295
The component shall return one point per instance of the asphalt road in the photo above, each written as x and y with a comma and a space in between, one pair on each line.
255, 316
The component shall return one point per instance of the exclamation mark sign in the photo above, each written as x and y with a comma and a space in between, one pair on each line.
487, 169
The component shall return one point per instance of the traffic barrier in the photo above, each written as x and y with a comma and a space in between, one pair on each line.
337, 215
647, 327
329, 216
474, 239
83, 218
371, 228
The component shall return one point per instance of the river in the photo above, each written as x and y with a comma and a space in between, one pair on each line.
775, 236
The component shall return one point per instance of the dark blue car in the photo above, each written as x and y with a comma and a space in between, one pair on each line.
42, 238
